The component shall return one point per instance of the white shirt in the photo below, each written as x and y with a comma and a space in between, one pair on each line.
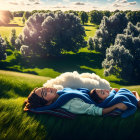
78, 106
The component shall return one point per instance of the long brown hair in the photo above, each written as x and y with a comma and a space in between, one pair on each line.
34, 101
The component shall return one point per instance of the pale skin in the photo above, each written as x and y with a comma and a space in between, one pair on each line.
50, 94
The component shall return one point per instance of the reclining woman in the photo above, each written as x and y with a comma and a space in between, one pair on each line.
77, 101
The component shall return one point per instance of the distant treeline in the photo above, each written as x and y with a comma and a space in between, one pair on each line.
94, 16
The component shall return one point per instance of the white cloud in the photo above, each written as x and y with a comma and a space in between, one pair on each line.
14, 3
79, 3
133, 3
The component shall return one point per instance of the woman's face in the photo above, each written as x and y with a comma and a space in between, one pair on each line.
49, 94
102, 93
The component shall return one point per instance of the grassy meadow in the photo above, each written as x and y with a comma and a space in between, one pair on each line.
17, 124
18, 76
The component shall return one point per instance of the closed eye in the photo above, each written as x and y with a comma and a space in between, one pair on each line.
102, 92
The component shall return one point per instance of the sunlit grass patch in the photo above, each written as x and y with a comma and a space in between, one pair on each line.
6, 31
17, 20
90, 30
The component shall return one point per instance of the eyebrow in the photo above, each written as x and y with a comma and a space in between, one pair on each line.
42, 93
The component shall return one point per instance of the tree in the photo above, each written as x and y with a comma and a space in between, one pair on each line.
84, 17
5, 17
26, 15
96, 16
118, 61
53, 34
13, 37
109, 28
133, 16
123, 58
2, 49
90, 43
24, 50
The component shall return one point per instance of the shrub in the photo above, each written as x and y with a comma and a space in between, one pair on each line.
2, 49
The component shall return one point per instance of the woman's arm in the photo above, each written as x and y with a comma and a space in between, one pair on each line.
120, 106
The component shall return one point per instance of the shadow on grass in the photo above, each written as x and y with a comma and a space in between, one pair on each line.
127, 83
90, 25
66, 62
87, 30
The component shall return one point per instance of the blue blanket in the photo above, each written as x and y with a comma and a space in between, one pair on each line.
122, 96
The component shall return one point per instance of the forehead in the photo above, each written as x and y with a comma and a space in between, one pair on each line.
38, 91
98, 90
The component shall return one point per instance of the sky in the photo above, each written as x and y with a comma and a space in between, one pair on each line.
64, 5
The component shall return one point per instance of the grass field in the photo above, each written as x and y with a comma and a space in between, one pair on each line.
15, 87
17, 124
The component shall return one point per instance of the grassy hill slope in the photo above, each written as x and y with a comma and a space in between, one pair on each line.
16, 124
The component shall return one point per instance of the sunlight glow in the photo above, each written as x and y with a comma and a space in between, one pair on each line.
1, 16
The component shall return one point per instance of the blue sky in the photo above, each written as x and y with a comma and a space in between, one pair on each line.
64, 5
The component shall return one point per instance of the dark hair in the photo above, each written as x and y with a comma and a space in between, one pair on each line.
34, 101
95, 96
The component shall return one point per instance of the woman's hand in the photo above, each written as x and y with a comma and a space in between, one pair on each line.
121, 106
116, 89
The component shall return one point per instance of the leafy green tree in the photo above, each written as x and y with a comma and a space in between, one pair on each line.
123, 59
109, 28
133, 16
96, 16
90, 43
24, 50
52, 34
2, 49
84, 17
26, 15
13, 37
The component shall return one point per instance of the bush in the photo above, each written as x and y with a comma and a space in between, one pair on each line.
53, 34
2, 49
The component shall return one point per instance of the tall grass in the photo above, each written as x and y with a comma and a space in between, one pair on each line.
17, 124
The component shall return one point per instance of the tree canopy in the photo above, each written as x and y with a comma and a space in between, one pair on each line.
2, 49
52, 34
109, 28
123, 58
